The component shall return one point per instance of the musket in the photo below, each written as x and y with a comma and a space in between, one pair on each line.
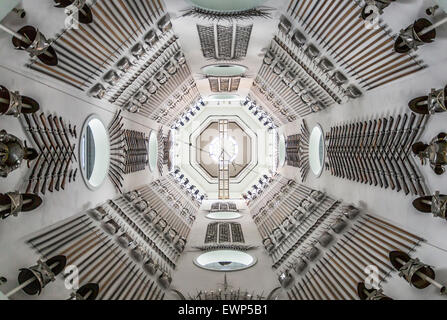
64, 131
45, 178
356, 152
388, 149
349, 151
64, 179
39, 176
395, 145
380, 171
33, 135
399, 148
33, 172
381, 149
362, 146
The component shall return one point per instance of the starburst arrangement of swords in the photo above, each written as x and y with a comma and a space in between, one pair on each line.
297, 150
110, 264
53, 169
378, 152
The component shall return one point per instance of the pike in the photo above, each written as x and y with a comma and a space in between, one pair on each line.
366, 260
371, 54
328, 284
30, 241
351, 36
410, 248
70, 55
104, 23
123, 30
333, 19
72, 236
328, 264
419, 239
130, 15
366, 244
97, 60
339, 21
93, 41
305, 10
102, 60
351, 46
59, 74
83, 224
112, 278
310, 13
331, 3
307, 280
